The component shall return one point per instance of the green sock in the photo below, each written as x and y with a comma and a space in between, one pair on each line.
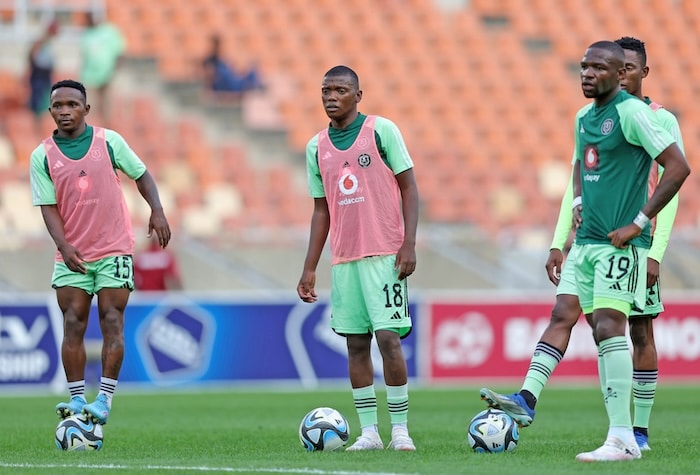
366, 405
618, 380
544, 360
643, 392
397, 400
601, 372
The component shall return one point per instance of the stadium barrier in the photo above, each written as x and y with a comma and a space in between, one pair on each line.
182, 340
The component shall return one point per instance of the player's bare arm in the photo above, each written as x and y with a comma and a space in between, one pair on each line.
54, 224
157, 223
406, 256
554, 264
320, 225
676, 170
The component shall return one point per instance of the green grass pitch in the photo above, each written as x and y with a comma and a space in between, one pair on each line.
255, 432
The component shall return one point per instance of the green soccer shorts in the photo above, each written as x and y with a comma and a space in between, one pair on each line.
114, 272
367, 295
608, 277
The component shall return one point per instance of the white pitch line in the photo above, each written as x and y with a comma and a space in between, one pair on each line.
305, 471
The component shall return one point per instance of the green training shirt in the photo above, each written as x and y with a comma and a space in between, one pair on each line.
390, 144
615, 144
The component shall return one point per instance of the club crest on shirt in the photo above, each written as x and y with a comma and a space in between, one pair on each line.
96, 154
607, 126
364, 160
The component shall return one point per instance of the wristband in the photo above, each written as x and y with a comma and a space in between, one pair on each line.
576, 202
641, 220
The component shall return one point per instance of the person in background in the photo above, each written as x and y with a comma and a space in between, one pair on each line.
365, 195
74, 181
41, 70
156, 269
220, 77
102, 48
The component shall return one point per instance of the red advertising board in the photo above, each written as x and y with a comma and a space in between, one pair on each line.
496, 340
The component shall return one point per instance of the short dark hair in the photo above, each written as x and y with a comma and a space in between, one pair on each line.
344, 71
634, 44
72, 84
612, 47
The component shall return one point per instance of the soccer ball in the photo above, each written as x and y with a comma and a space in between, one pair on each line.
323, 428
493, 431
79, 433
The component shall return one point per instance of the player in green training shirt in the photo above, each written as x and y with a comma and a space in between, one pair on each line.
616, 136
553, 343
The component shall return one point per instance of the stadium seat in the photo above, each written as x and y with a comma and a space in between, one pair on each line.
478, 92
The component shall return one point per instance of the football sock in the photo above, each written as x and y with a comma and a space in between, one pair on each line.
643, 392
107, 387
618, 380
601, 372
77, 388
544, 360
625, 434
366, 406
397, 400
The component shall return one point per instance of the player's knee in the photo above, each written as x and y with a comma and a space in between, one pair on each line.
74, 325
565, 315
641, 332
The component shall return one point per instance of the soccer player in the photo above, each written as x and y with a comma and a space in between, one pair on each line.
554, 340
74, 180
617, 138
361, 178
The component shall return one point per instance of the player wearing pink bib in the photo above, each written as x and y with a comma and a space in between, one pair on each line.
365, 195
74, 180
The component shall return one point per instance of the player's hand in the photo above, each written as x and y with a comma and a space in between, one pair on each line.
159, 224
73, 258
405, 261
577, 217
621, 237
306, 287
553, 265
652, 272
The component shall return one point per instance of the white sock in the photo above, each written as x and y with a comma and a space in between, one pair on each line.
399, 427
77, 388
370, 430
107, 387
623, 433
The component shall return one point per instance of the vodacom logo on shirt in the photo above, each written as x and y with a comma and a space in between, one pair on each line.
348, 182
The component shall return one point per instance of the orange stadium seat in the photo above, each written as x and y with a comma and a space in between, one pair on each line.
499, 96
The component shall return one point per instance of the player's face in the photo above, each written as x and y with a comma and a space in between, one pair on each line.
634, 72
340, 97
68, 110
600, 73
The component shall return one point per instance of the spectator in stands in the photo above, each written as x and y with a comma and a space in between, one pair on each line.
365, 196
74, 179
102, 48
41, 67
156, 269
219, 76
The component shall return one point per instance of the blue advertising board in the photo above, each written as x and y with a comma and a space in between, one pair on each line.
178, 341
29, 344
